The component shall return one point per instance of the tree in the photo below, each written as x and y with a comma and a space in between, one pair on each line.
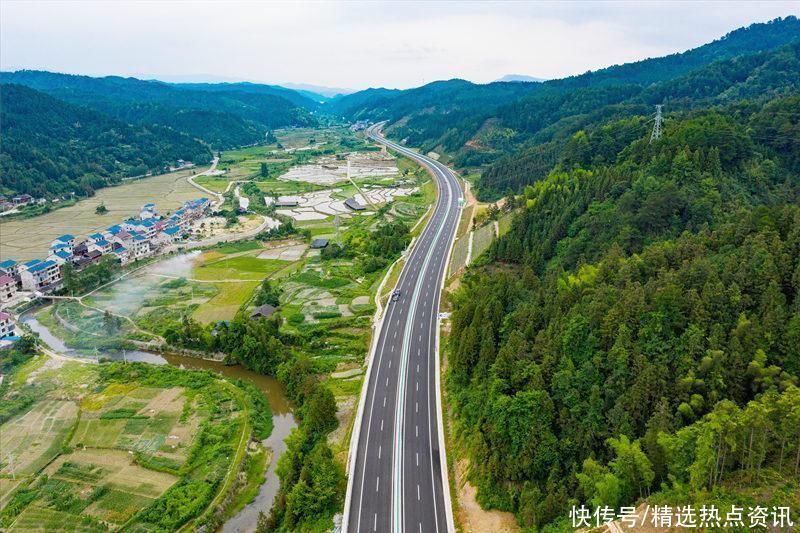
264, 172
319, 411
101, 209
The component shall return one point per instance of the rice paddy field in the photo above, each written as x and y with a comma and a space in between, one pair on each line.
208, 286
128, 446
296, 146
24, 239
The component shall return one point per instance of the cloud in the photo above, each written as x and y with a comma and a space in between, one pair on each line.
357, 44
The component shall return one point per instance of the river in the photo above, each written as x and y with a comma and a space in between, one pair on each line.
283, 420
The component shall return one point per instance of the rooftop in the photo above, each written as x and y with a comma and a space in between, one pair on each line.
5, 280
4, 316
262, 311
66, 238
42, 265
353, 204
8, 263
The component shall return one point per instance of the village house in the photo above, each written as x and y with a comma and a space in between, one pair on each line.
6, 325
123, 255
145, 227
42, 276
100, 245
61, 257
8, 288
287, 201
112, 232
353, 204
262, 311
148, 211
91, 258
68, 240
139, 246
194, 209
22, 199
10, 268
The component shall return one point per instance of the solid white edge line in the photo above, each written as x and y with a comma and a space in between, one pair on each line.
382, 316
448, 503
356, 433
442, 450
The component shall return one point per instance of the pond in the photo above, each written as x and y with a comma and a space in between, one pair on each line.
283, 420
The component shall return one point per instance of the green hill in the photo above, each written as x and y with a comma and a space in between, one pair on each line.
51, 147
222, 115
635, 334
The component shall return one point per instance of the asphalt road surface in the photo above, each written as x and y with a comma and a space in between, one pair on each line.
397, 474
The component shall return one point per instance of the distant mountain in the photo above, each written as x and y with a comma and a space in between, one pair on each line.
318, 90
298, 98
478, 123
51, 147
223, 115
520, 77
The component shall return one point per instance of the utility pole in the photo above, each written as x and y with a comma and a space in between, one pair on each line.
656, 134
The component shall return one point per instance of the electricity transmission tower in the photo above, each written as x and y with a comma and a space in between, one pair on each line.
656, 134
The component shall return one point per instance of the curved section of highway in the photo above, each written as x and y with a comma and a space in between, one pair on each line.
398, 473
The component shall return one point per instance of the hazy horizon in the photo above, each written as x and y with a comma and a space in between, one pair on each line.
356, 45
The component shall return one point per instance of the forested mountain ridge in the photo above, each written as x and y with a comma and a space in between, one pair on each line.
298, 98
637, 329
479, 123
556, 130
50, 147
222, 116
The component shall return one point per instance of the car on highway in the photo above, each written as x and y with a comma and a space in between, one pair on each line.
395, 295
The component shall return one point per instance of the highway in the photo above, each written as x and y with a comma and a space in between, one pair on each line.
397, 473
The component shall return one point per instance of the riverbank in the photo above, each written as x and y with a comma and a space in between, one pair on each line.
283, 421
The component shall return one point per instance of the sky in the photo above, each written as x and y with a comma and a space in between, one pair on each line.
355, 44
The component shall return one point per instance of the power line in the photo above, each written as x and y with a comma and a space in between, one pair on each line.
656, 134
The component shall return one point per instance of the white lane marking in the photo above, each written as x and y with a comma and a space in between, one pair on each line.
416, 407
375, 523
392, 348
384, 401
395, 334
387, 381
417, 458
417, 367
381, 424
390, 363
416, 431
447, 200
417, 385
418, 495
379, 451
377, 483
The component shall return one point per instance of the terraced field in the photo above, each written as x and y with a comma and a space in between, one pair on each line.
139, 446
